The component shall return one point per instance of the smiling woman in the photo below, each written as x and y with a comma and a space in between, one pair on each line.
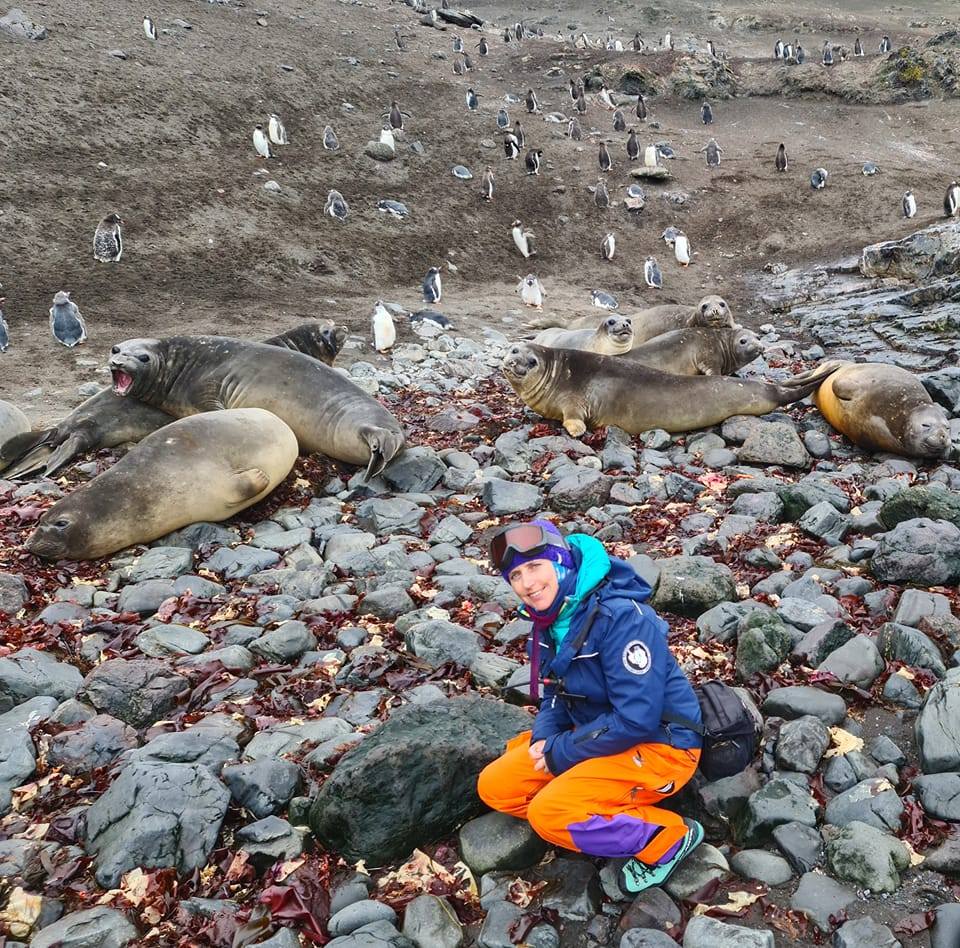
600, 757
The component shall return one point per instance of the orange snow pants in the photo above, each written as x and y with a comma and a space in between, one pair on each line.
605, 806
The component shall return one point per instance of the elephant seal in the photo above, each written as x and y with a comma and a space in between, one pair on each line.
614, 336
698, 351
106, 420
585, 390
183, 375
884, 408
204, 467
13, 422
712, 312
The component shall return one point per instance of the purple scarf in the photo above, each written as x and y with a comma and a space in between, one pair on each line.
541, 622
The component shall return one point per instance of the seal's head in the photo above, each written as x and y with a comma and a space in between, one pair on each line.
745, 346
927, 433
523, 365
333, 339
714, 311
59, 534
132, 363
619, 329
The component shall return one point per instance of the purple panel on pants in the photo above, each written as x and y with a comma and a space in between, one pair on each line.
613, 836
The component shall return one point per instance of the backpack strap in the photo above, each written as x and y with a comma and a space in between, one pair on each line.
683, 722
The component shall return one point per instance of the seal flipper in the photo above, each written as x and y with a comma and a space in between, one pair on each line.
26, 453
246, 484
384, 446
72, 447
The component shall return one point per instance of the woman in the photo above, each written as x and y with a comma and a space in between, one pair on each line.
613, 736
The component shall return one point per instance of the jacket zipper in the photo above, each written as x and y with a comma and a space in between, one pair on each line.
591, 735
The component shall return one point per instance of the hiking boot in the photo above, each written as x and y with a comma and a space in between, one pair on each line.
637, 876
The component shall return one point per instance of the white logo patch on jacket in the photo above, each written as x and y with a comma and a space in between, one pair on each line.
636, 657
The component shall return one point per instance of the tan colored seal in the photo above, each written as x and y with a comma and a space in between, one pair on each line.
698, 351
614, 336
712, 312
585, 390
882, 407
205, 467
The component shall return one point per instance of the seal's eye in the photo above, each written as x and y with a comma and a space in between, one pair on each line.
114, 350
61, 524
143, 358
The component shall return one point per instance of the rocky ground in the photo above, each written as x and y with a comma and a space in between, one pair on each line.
236, 736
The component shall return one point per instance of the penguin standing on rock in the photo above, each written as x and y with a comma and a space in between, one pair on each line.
951, 200
261, 143
633, 145
107, 243
781, 160
909, 204
706, 114
533, 160
149, 30
383, 329
522, 239
608, 247
432, 288
652, 274
66, 323
606, 162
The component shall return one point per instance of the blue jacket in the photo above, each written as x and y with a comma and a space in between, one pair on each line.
610, 693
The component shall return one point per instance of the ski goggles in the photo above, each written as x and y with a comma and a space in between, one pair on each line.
523, 539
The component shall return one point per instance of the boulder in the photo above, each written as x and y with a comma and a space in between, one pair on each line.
777, 802
821, 898
918, 257
937, 726
95, 743
873, 801
801, 744
437, 641
940, 795
705, 932
857, 662
864, 933
430, 922
796, 701
139, 692
690, 585
867, 857
99, 927
27, 673
263, 786
499, 841
774, 443
921, 551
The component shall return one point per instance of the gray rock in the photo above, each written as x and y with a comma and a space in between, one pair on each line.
885, 751
864, 933
162, 641
774, 443
821, 640
270, 840
14, 594
945, 932
99, 927
825, 522
652, 908
284, 938
27, 673
899, 690
15, 23
759, 864
499, 841
646, 938
264, 786
801, 744
430, 922
937, 727
797, 701
819, 897
724, 799
207, 746
438, 641
241, 561
451, 530
375, 935
698, 869
800, 844
915, 604
506, 497
155, 816
289, 738
415, 470
161, 562
940, 795
763, 644
921, 551
358, 914
386, 516
856, 662
873, 801
285, 644
722, 622
495, 932
414, 779
919, 256
867, 857
910, 646
779, 801
494, 670
579, 488
139, 692
705, 932
386, 603
93, 744
573, 889
690, 585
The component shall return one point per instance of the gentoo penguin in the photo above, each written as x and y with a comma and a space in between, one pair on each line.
581, 104
458, 66
857, 47
608, 247
4, 329
533, 160
531, 102
511, 147
382, 327
706, 114
909, 204
800, 55
398, 39
668, 40
457, 44
518, 31
531, 291
781, 160
619, 122
396, 116
827, 53
633, 145
330, 142
604, 158
473, 100
870, 168
574, 89
521, 239
641, 108
711, 49
606, 97
600, 195
276, 131
66, 323
681, 249
483, 46
150, 31
467, 62
714, 151
261, 143
574, 131
432, 288
788, 52
669, 236
635, 198
107, 243
951, 200
818, 180
637, 42
486, 185
519, 134
885, 44
652, 274
503, 119
651, 156
603, 300
336, 206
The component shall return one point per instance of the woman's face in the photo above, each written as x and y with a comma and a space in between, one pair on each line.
535, 583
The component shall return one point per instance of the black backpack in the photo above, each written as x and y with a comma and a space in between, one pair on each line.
729, 731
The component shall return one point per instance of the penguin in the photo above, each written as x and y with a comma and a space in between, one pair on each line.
574, 131
531, 102
818, 180
457, 44
574, 89
885, 44
606, 97
149, 30
396, 116
533, 160
706, 114
909, 204
668, 40
606, 163
507, 35
651, 156
486, 185
467, 62
633, 146
429, 317
382, 327
458, 66
778, 49
519, 134
669, 236
581, 104
4, 328
503, 118
66, 322
604, 300
473, 100
635, 198
714, 151
511, 147
641, 108
107, 243
521, 239
608, 247
711, 49
330, 142
788, 52
600, 195
261, 143
951, 200
781, 160
276, 131
681, 249
619, 122
665, 151
398, 39
483, 46
432, 288
518, 31
800, 55
336, 206
531, 291
857, 47
386, 138
827, 53
652, 274
637, 42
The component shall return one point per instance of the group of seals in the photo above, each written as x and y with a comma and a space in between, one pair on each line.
206, 467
